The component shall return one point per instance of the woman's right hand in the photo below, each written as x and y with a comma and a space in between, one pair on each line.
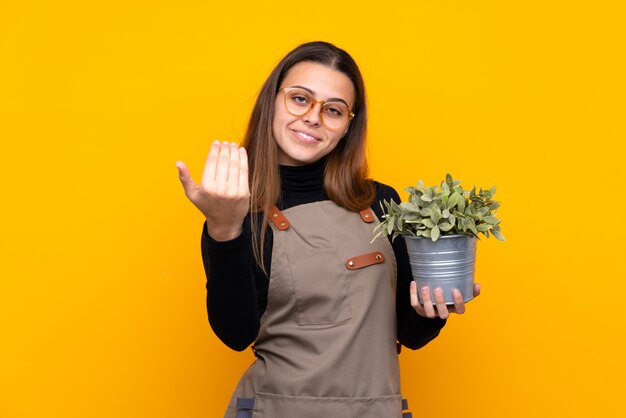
223, 195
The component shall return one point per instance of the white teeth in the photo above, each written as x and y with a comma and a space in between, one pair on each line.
306, 136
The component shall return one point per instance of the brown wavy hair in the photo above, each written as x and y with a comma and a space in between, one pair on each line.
345, 176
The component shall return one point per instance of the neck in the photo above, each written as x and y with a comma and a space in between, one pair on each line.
303, 179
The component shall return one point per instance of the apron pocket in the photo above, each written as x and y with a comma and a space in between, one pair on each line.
268, 405
321, 287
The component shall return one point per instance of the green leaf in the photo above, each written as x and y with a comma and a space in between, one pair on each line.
496, 233
390, 225
493, 205
445, 213
455, 198
461, 204
449, 180
426, 198
411, 216
425, 212
410, 207
420, 185
472, 226
492, 191
491, 220
428, 223
445, 226
483, 227
426, 233
400, 223
436, 214
434, 234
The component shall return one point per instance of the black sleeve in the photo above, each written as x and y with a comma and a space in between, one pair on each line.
414, 331
236, 288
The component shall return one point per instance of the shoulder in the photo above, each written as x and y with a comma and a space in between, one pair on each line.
385, 192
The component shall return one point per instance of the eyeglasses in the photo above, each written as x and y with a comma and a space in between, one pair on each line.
334, 115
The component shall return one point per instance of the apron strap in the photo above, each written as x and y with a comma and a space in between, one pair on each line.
405, 406
245, 403
367, 215
244, 407
278, 219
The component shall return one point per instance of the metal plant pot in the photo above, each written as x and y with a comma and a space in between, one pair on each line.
447, 263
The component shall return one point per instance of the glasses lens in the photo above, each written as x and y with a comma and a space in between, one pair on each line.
298, 101
335, 115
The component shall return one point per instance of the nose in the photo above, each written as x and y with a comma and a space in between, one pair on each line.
313, 116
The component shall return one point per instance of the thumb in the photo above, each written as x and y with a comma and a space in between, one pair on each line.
185, 178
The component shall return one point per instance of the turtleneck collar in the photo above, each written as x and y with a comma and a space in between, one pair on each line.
303, 179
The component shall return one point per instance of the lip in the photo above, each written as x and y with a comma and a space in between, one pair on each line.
313, 140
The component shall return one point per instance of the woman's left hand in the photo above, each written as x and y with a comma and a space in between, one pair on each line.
439, 309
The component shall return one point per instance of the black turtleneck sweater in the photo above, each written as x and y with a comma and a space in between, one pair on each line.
237, 287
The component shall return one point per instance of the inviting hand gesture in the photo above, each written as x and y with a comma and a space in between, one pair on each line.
440, 308
223, 195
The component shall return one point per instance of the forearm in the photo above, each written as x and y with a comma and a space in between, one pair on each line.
232, 303
414, 331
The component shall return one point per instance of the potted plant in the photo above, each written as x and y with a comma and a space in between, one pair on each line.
440, 227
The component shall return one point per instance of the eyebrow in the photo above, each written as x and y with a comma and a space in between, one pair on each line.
332, 99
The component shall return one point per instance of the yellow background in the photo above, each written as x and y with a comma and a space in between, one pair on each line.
102, 299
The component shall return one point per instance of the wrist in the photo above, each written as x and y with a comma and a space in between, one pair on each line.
221, 234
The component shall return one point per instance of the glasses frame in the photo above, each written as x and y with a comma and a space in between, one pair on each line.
286, 90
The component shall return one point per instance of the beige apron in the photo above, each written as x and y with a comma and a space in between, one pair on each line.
327, 342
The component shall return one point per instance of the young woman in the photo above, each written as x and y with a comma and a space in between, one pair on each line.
287, 253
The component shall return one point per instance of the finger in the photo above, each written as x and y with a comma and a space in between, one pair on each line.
210, 166
243, 171
223, 161
413, 292
415, 303
233, 168
440, 301
476, 289
185, 178
428, 304
459, 305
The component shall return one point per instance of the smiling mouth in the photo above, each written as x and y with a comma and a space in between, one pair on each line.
305, 137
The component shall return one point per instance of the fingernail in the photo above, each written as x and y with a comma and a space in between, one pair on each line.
438, 291
425, 289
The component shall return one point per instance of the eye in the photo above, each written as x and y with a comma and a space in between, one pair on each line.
334, 111
299, 98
